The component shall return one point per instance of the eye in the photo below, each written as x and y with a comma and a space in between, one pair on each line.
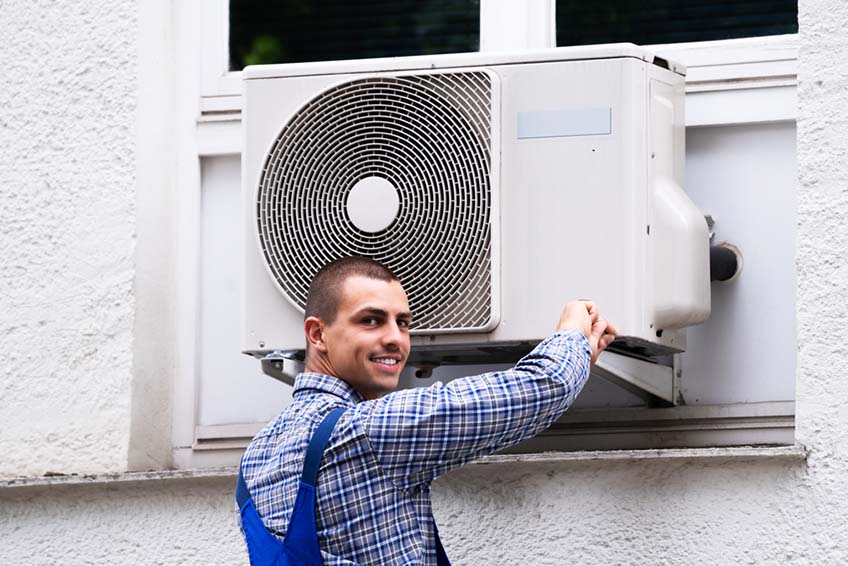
370, 321
403, 323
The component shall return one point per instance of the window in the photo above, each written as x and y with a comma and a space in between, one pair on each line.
295, 31
738, 386
671, 21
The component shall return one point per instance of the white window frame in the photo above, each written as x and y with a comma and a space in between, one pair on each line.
736, 81
741, 81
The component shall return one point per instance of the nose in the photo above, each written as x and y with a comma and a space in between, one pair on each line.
393, 336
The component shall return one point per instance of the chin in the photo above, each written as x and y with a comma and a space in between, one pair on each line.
387, 385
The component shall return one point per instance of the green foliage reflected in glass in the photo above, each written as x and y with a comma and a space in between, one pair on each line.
265, 49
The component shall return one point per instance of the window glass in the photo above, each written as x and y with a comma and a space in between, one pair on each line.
671, 21
290, 31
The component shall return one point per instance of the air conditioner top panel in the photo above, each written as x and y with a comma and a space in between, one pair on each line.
454, 60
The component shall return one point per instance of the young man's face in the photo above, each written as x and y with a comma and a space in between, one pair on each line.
367, 344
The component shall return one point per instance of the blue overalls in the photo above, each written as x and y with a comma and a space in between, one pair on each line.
300, 545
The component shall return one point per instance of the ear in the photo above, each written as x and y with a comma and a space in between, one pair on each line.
314, 330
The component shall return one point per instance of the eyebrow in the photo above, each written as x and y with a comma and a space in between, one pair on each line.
380, 312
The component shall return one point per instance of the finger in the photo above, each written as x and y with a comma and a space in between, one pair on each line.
612, 329
601, 321
606, 340
592, 309
599, 328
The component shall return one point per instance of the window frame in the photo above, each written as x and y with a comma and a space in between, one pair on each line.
729, 82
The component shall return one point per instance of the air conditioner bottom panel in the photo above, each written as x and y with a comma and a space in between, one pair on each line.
498, 352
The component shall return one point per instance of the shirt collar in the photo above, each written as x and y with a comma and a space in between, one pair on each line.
327, 384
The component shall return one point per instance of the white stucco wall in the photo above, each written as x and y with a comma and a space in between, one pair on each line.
68, 289
161, 523
68, 89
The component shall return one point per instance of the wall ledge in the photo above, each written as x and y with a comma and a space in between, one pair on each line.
795, 452
119, 478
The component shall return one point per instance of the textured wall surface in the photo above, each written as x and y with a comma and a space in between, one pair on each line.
585, 514
73, 294
629, 513
67, 98
153, 523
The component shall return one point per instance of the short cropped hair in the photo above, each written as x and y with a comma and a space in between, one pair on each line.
325, 291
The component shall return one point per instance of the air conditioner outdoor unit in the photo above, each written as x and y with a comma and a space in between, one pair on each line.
496, 185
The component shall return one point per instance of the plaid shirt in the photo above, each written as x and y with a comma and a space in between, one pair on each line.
373, 490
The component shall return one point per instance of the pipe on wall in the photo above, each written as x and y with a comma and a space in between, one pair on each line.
725, 262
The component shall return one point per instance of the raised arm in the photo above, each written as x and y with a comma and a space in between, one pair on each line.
421, 433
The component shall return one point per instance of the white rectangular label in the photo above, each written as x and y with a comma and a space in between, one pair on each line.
561, 123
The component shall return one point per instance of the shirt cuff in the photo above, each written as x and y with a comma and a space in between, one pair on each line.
575, 337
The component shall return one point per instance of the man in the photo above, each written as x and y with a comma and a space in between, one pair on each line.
373, 489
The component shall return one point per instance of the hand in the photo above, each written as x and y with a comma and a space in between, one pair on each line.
583, 316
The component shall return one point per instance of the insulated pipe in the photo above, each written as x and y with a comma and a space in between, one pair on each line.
725, 262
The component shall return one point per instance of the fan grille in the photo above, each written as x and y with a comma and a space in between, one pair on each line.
429, 137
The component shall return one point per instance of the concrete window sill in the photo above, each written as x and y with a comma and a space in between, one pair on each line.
796, 452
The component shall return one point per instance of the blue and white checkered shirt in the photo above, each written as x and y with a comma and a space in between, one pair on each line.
373, 490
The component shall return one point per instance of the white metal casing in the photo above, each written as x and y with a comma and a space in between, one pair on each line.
580, 216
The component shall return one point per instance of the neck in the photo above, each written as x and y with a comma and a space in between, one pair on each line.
319, 364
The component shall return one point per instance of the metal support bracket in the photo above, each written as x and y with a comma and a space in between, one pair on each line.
282, 365
646, 379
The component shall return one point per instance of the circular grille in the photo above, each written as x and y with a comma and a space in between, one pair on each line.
425, 139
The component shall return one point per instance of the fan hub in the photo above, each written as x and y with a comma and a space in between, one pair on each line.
373, 204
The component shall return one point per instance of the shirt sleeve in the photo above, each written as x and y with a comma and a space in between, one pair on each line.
419, 434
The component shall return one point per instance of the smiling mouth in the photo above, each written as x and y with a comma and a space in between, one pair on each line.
385, 361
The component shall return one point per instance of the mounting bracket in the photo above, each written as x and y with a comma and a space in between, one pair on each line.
648, 380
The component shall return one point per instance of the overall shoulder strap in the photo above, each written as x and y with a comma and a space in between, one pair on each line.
314, 452
317, 446
242, 495
301, 540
